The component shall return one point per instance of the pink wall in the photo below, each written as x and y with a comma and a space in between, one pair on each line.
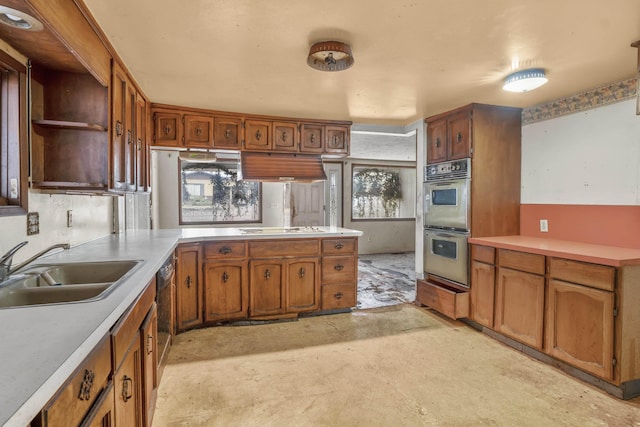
597, 224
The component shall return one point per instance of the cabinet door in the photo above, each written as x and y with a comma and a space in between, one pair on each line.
198, 131
118, 137
267, 292
149, 345
482, 293
437, 141
257, 135
312, 138
227, 132
520, 306
337, 140
188, 287
285, 136
167, 129
130, 151
128, 387
579, 327
226, 291
103, 412
459, 136
303, 285
141, 160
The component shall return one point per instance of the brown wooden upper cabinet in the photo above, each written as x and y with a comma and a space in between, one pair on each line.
285, 136
449, 137
198, 131
312, 138
258, 135
167, 129
228, 133
337, 139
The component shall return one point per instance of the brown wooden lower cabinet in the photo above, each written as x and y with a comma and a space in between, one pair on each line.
149, 347
266, 289
226, 290
188, 286
520, 306
451, 302
303, 285
580, 327
128, 387
483, 277
103, 413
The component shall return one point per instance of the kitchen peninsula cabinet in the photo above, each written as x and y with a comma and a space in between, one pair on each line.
267, 288
339, 273
576, 309
303, 285
189, 286
226, 281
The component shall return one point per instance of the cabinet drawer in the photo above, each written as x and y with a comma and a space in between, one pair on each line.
485, 254
283, 247
338, 296
523, 261
225, 250
338, 269
127, 327
338, 246
76, 398
452, 303
594, 275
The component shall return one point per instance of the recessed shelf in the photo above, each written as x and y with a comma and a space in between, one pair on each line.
69, 185
61, 124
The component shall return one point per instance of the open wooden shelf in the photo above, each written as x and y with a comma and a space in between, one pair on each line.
66, 185
61, 124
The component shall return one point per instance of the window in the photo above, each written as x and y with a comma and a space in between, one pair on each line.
382, 192
210, 193
13, 137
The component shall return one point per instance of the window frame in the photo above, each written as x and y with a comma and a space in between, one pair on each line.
14, 147
182, 221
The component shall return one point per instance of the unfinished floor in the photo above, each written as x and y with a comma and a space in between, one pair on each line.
392, 366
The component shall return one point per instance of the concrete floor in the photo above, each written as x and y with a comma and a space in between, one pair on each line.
392, 366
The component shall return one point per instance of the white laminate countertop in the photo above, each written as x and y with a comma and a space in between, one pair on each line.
41, 346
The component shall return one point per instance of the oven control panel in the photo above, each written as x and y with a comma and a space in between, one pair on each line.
447, 170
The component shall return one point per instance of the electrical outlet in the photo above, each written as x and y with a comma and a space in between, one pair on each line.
33, 223
69, 218
544, 226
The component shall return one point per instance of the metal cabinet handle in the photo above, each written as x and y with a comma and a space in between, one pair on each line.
459, 137
227, 133
301, 272
126, 394
139, 144
225, 250
313, 138
258, 135
118, 128
284, 136
149, 344
267, 274
198, 131
129, 137
188, 281
85, 386
166, 129
438, 142
339, 267
339, 245
339, 295
225, 277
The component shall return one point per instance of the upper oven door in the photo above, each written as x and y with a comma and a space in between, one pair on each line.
447, 204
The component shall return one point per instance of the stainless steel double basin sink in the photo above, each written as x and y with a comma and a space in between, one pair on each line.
64, 283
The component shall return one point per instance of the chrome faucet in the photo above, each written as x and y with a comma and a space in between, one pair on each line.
5, 261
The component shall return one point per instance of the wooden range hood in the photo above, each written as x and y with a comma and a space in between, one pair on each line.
281, 167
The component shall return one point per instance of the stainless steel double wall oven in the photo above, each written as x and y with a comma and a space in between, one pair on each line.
447, 190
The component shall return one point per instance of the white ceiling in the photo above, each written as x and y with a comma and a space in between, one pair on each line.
413, 58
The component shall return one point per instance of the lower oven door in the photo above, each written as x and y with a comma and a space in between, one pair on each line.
446, 254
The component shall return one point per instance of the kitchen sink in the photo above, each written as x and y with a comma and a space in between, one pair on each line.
64, 283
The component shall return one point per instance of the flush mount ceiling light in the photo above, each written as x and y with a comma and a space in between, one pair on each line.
330, 56
17, 19
525, 80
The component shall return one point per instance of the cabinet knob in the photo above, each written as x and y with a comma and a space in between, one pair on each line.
118, 128
339, 267
267, 274
258, 135
301, 272
87, 383
127, 388
339, 245
338, 295
225, 277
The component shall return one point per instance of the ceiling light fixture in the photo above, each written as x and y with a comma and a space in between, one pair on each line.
17, 19
525, 80
330, 56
